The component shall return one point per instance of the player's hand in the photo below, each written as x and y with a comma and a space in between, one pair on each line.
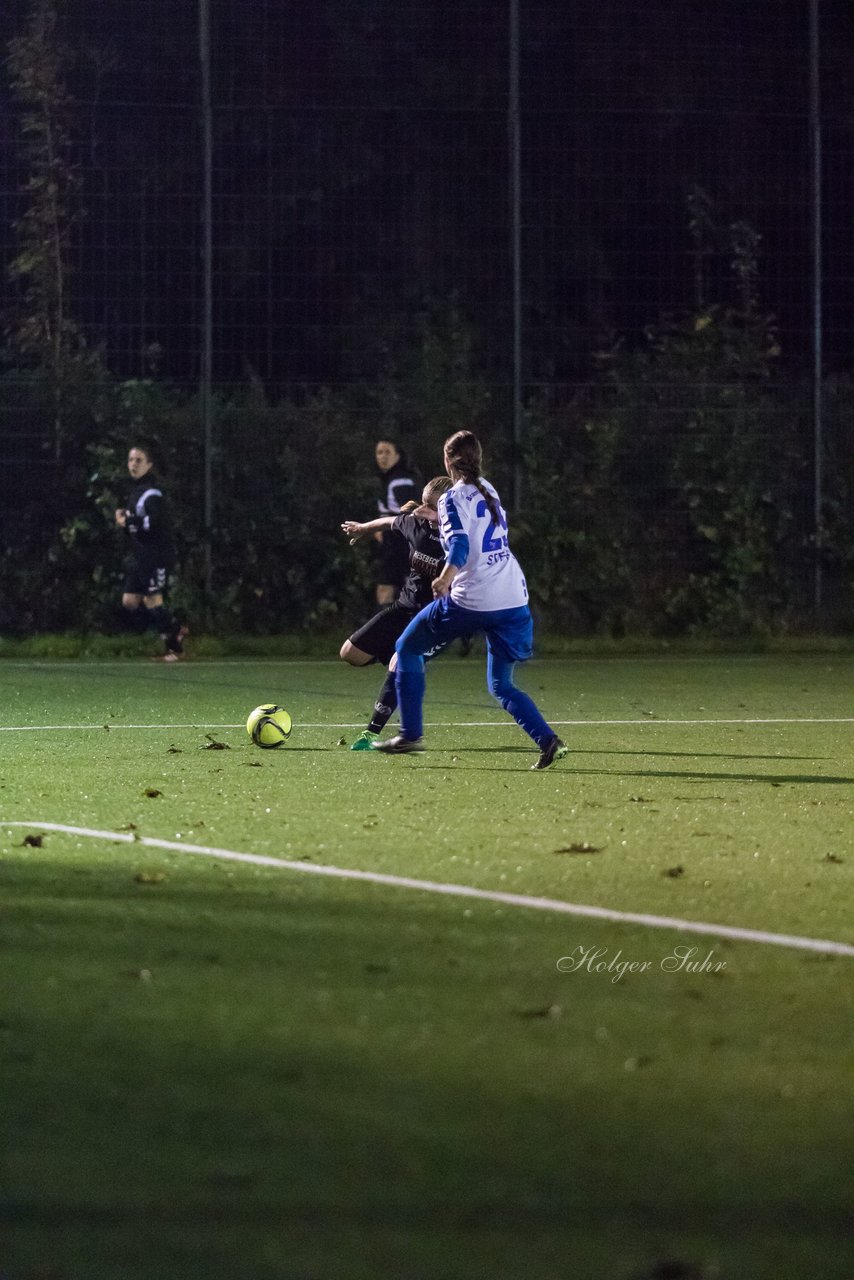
121, 517
353, 530
441, 586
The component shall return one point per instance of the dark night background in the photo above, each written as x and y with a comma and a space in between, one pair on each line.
360, 166
361, 177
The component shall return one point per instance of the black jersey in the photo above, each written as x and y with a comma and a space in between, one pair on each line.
148, 520
399, 485
426, 559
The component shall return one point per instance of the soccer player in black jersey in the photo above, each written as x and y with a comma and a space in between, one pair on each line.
151, 559
417, 530
399, 486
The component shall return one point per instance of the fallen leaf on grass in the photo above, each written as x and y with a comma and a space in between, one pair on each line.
152, 793
580, 846
642, 1060
213, 745
547, 1011
674, 872
828, 857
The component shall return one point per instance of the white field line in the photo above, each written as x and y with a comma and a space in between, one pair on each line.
546, 659
155, 664
456, 890
59, 664
437, 724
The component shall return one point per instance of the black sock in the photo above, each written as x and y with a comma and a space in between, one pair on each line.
135, 620
160, 619
385, 705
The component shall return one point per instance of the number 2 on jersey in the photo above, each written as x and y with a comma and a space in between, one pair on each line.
491, 543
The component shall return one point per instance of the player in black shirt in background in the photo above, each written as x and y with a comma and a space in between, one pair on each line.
417, 531
151, 559
399, 485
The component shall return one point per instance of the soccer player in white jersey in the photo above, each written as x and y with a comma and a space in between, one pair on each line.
480, 588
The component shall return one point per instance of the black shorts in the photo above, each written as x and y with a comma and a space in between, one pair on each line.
144, 576
379, 636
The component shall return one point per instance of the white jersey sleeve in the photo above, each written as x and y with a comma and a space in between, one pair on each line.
490, 577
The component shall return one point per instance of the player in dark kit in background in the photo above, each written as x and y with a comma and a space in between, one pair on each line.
152, 555
399, 485
417, 531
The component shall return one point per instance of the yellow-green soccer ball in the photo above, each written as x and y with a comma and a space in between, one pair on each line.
269, 725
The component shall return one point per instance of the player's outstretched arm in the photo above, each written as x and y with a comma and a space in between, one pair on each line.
354, 529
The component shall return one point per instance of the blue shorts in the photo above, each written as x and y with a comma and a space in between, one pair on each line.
509, 632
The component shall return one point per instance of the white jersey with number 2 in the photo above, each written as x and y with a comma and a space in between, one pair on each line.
491, 577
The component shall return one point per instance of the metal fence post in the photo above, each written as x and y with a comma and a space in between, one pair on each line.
514, 156
817, 282
206, 363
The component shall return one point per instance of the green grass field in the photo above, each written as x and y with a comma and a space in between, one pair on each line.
214, 1069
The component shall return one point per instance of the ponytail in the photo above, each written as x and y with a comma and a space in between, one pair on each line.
489, 499
465, 456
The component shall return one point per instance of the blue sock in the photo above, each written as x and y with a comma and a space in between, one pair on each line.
527, 715
523, 709
410, 698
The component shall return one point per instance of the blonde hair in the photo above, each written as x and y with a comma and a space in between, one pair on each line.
434, 488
